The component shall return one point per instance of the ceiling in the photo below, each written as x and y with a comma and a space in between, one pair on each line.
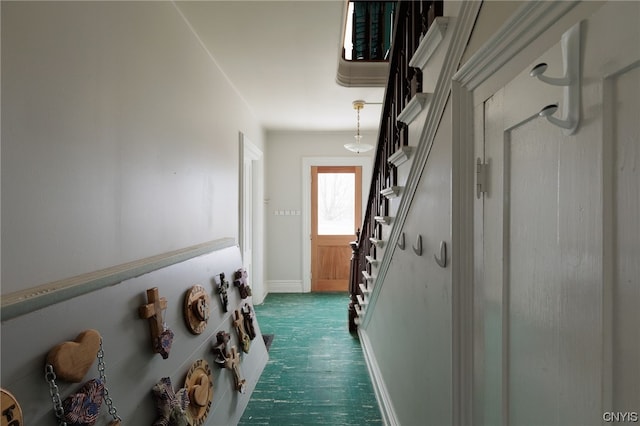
282, 58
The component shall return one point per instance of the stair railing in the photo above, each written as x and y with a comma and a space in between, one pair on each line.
412, 20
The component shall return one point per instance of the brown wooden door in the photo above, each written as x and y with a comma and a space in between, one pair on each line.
336, 211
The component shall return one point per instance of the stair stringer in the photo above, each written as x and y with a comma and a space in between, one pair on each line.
451, 47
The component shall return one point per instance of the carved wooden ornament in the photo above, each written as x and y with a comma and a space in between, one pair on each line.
238, 323
199, 386
161, 338
233, 364
72, 360
196, 309
11, 411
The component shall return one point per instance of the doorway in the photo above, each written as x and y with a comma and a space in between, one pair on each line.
336, 214
251, 215
365, 164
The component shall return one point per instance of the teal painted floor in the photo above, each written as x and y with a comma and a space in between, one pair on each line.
316, 374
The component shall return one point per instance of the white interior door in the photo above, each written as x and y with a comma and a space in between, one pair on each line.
558, 290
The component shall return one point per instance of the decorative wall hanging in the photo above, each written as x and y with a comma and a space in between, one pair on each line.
70, 361
238, 324
220, 348
247, 314
161, 335
233, 364
240, 280
222, 285
171, 406
196, 309
199, 385
11, 411
228, 360
83, 407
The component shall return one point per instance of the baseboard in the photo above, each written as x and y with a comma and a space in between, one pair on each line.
387, 411
284, 286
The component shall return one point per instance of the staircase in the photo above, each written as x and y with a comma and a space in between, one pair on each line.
417, 27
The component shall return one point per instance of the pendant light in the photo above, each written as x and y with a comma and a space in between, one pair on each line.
358, 146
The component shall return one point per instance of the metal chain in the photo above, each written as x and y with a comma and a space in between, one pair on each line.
50, 377
103, 377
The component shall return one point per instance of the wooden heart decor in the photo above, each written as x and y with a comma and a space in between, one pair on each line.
72, 360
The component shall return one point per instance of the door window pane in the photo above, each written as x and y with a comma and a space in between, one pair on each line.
336, 207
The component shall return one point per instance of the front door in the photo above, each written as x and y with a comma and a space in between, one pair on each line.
558, 285
336, 212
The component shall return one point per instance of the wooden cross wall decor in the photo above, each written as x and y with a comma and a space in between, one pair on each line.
238, 324
233, 364
160, 340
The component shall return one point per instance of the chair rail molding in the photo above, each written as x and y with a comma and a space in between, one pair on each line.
26, 301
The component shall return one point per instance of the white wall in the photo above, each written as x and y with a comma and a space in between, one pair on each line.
119, 138
284, 155
119, 142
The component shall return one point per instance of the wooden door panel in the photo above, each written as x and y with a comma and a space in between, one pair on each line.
334, 262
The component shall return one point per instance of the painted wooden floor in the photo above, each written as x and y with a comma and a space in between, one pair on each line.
316, 374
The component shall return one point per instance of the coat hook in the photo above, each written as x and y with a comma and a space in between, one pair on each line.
570, 43
418, 250
401, 242
442, 261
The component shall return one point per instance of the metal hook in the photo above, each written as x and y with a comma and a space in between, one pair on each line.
418, 250
442, 261
401, 242
570, 44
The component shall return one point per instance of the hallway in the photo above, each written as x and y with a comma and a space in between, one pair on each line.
316, 374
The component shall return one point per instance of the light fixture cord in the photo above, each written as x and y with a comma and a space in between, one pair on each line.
358, 128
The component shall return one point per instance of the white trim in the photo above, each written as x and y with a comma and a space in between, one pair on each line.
362, 74
429, 42
250, 151
26, 301
415, 106
249, 209
307, 163
391, 192
284, 286
528, 23
401, 156
385, 404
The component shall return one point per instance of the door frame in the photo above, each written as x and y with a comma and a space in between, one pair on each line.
248, 204
337, 239
531, 30
307, 163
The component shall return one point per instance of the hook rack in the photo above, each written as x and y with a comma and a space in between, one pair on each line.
570, 44
418, 250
